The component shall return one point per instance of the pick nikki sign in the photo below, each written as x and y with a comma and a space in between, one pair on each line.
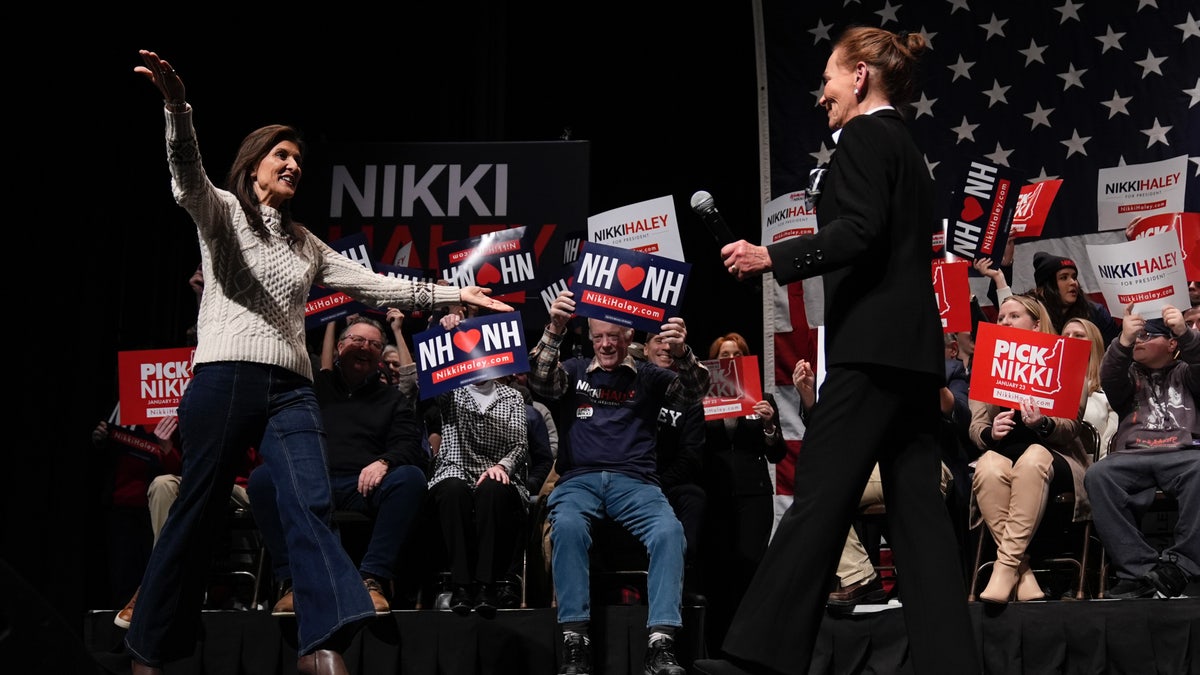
628, 288
1014, 366
1186, 226
1033, 205
478, 349
501, 261
953, 293
734, 389
151, 382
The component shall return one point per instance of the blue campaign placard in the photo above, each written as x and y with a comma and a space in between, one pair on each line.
477, 349
502, 261
628, 288
325, 304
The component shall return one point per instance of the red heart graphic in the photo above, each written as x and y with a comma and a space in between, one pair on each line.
467, 339
971, 209
630, 277
488, 274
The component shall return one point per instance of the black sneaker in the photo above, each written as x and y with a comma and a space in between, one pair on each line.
660, 658
1128, 589
1168, 579
577, 655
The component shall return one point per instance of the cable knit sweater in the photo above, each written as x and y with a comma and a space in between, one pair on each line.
255, 290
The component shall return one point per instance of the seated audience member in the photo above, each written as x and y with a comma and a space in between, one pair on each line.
607, 466
478, 491
402, 369
1192, 315
1056, 284
1096, 409
1025, 455
128, 470
678, 445
376, 462
740, 509
857, 581
1148, 375
164, 490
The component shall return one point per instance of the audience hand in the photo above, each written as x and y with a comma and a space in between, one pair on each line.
561, 311
495, 472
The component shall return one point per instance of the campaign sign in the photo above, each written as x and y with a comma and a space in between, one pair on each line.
572, 248
953, 293
325, 304
649, 226
1129, 191
735, 387
1033, 205
151, 382
1147, 271
1186, 226
787, 217
985, 205
628, 288
501, 261
1014, 366
478, 349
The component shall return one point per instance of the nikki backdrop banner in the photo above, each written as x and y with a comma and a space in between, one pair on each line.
410, 199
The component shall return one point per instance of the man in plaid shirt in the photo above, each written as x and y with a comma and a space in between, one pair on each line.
607, 466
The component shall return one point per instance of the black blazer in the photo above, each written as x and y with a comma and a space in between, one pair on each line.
873, 246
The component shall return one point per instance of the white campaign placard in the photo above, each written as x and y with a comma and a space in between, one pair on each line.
787, 217
649, 226
1124, 193
1147, 271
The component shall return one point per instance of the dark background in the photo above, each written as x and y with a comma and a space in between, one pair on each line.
665, 95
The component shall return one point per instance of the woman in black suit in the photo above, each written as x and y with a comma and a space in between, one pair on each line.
879, 400
740, 508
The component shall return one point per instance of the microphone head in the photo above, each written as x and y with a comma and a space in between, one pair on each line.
702, 202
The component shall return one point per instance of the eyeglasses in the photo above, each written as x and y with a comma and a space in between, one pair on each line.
358, 341
1146, 337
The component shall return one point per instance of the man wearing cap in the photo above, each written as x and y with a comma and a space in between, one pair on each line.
1151, 378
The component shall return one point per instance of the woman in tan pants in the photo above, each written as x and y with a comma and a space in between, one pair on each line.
1024, 453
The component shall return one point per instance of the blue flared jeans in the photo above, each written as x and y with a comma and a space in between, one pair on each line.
227, 407
639, 507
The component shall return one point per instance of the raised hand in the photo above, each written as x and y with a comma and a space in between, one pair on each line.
163, 75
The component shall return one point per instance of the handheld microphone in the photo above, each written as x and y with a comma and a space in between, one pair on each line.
702, 204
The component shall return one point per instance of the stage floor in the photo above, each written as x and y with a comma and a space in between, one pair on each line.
1137, 637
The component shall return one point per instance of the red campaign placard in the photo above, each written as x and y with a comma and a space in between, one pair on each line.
1185, 225
953, 293
151, 382
735, 387
1033, 205
1014, 365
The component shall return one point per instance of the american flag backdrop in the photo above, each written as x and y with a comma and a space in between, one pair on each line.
1047, 88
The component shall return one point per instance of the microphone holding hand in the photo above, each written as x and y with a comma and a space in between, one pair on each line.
741, 258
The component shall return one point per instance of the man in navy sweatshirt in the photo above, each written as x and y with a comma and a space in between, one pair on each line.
607, 467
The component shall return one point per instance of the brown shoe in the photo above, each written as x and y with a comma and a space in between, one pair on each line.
285, 606
322, 662
864, 592
124, 616
381, 604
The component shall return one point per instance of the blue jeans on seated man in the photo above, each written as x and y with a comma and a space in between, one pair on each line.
228, 407
636, 505
393, 505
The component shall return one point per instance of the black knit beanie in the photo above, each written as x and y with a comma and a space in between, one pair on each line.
1047, 265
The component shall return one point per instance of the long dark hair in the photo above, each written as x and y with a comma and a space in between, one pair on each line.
254, 147
1059, 311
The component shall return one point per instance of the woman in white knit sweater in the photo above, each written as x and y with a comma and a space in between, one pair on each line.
252, 386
